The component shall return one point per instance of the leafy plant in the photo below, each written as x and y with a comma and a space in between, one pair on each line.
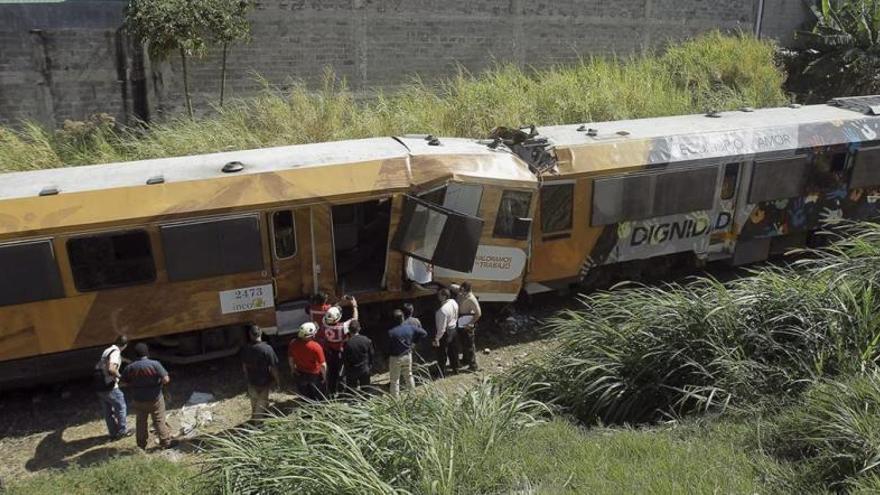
226, 23
169, 26
840, 55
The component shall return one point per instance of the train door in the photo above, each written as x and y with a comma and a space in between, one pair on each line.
437, 236
723, 237
360, 244
291, 263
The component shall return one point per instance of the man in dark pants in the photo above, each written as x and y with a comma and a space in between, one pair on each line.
445, 342
307, 363
260, 364
469, 313
332, 336
144, 379
357, 357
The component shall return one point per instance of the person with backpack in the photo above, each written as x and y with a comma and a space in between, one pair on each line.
145, 379
106, 383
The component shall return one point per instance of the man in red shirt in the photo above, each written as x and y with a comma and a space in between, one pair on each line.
307, 363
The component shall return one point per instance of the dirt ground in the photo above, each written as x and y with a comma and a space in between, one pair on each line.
61, 426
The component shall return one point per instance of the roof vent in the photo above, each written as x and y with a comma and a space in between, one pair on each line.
623, 133
592, 132
794, 105
232, 167
430, 137
869, 105
49, 191
433, 141
494, 144
714, 114
747, 109
158, 179
582, 128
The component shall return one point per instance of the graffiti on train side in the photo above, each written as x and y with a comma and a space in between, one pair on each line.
810, 212
692, 226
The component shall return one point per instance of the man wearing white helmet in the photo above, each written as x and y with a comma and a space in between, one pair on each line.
333, 334
307, 363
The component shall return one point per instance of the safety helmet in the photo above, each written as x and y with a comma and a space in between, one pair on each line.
332, 316
307, 330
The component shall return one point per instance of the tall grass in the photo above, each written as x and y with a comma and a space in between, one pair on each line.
636, 354
713, 71
424, 442
832, 439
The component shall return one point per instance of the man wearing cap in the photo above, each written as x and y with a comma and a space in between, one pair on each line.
260, 364
144, 379
107, 371
332, 335
307, 363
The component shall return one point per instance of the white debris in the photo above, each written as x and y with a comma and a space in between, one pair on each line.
487, 351
199, 398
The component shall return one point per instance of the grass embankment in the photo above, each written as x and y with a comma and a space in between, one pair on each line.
711, 72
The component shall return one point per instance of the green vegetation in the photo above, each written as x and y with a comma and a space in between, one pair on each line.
840, 55
711, 72
637, 354
139, 474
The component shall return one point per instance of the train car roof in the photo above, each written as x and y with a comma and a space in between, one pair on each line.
603, 146
99, 195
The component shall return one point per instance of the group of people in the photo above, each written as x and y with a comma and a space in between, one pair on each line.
329, 355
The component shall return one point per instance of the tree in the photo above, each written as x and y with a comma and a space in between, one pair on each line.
226, 22
840, 55
169, 26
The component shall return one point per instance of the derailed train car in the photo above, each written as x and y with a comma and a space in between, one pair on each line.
737, 186
181, 252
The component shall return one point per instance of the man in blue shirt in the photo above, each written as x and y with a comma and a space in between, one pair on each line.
400, 345
144, 379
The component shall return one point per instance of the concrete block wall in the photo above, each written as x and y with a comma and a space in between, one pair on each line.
73, 66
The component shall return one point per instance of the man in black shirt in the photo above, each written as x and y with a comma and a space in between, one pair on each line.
357, 356
260, 365
144, 380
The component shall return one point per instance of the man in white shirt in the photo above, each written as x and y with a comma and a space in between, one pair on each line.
106, 383
445, 336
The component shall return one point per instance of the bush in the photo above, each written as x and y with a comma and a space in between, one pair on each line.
833, 437
712, 71
424, 442
636, 354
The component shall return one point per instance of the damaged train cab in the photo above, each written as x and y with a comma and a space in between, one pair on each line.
636, 196
183, 251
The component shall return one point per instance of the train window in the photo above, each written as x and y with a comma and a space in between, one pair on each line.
436, 196
618, 199
514, 205
778, 179
463, 198
866, 169
284, 233
111, 260
212, 248
33, 267
683, 191
557, 201
728, 186
437, 235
